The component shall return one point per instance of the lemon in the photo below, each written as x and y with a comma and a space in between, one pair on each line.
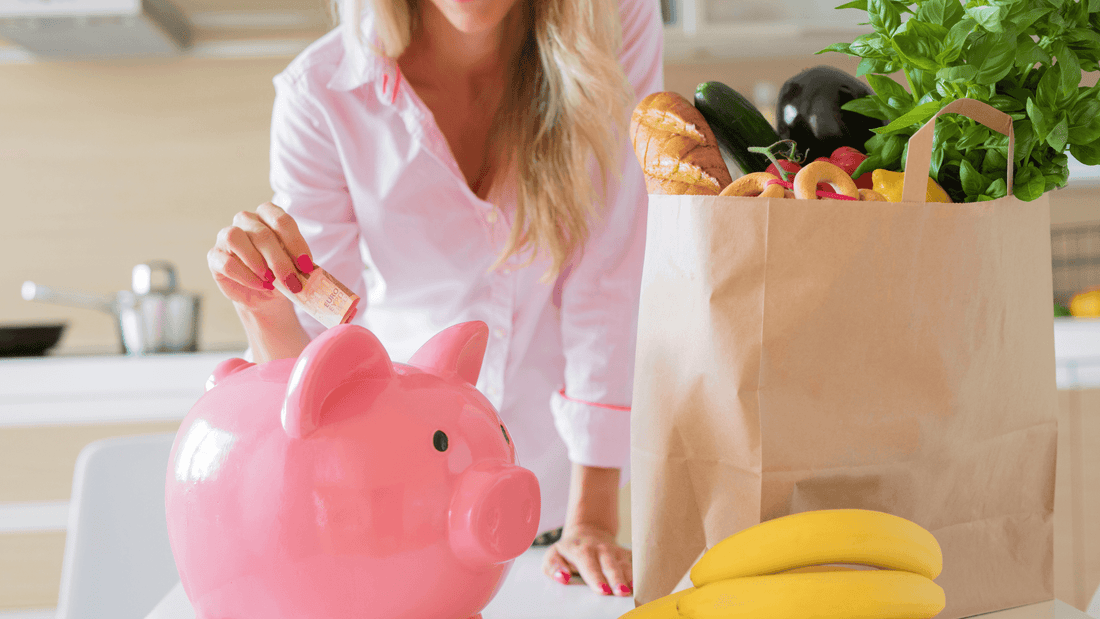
890, 184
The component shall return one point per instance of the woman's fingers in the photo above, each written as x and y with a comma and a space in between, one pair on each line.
235, 257
270, 246
604, 565
287, 230
556, 567
616, 566
228, 266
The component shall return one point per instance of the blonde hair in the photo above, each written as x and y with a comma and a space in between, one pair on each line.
568, 106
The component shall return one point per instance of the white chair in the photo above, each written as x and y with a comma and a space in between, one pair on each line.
118, 563
1094, 605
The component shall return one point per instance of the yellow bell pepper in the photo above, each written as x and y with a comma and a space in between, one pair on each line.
889, 184
1085, 304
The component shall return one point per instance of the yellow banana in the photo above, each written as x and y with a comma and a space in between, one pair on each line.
857, 536
855, 594
661, 608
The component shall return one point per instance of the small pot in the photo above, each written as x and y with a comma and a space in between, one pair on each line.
149, 318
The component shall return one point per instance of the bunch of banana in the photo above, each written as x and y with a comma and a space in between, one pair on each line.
804, 565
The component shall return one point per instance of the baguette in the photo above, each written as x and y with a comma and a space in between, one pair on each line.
676, 147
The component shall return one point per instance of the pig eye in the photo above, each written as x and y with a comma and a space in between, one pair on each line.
440, 440
505, 433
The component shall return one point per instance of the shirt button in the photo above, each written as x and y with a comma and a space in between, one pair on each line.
492, 391
499, 333
491, 217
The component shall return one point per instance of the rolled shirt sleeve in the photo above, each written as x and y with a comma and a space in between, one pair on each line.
599, 296
309, 183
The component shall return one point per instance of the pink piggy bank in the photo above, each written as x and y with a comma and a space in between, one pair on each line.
341, 484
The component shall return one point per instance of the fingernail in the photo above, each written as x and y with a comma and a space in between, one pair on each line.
269, 286
606, 588
293, 284
562, 576
269, 275
623, 589
632, 585
305, 264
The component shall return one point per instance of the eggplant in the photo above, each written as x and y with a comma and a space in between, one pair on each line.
808, 112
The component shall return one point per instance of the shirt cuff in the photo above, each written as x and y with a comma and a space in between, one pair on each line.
595, 434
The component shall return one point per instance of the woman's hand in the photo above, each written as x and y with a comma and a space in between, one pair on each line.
259, 251
594, 554
587, 545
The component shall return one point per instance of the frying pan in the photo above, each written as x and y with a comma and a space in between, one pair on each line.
29, 340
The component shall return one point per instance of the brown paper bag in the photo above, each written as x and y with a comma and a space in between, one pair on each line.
796, 355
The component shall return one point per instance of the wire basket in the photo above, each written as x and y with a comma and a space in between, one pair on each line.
1075, 255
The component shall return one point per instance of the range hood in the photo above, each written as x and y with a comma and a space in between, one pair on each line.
95, 28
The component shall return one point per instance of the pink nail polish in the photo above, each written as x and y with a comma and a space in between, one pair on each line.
293, 284
269, 286
562, 576
305, 265
269, 275
623, 589
606, 588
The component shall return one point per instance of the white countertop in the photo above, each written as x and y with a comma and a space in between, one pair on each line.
526, 594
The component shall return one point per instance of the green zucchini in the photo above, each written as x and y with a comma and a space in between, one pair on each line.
736, 123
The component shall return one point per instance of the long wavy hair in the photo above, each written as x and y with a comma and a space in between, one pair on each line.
567, 107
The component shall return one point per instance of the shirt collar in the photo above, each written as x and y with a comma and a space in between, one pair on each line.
361, 65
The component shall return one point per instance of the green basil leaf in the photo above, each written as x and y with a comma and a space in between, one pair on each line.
1028, 184
870, 45
973, 136
1088, 154
1084, 125
872, 65
1039, 121
1069, 72
1059, 135
995, 163
916, 116
1029, 54
994, 56
1025, 140
973, 181
1047, 93
1094, 6
932, 11
1006, 103
843, 48
887, 88
958, 74
892, 147
997, 189
956, 38
884, 16
867, 106
913, 50
1025, 20
854, 4
989, 17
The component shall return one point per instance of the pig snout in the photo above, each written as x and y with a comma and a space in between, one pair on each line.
494, 514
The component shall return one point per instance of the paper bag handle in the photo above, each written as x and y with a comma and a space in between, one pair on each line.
919, 158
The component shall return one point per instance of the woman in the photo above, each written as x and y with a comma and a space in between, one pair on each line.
454, 160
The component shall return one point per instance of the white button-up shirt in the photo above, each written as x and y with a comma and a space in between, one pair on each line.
359, 162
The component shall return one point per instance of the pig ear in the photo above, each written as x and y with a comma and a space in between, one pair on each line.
457, 350
225, 368
342, 354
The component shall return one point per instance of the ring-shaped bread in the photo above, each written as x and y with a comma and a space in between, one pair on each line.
749, 185
806, 180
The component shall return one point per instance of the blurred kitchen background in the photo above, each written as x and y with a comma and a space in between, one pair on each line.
132, 132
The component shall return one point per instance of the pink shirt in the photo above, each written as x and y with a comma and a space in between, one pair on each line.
358, 161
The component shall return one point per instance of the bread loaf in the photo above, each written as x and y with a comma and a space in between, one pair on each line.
676, 147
